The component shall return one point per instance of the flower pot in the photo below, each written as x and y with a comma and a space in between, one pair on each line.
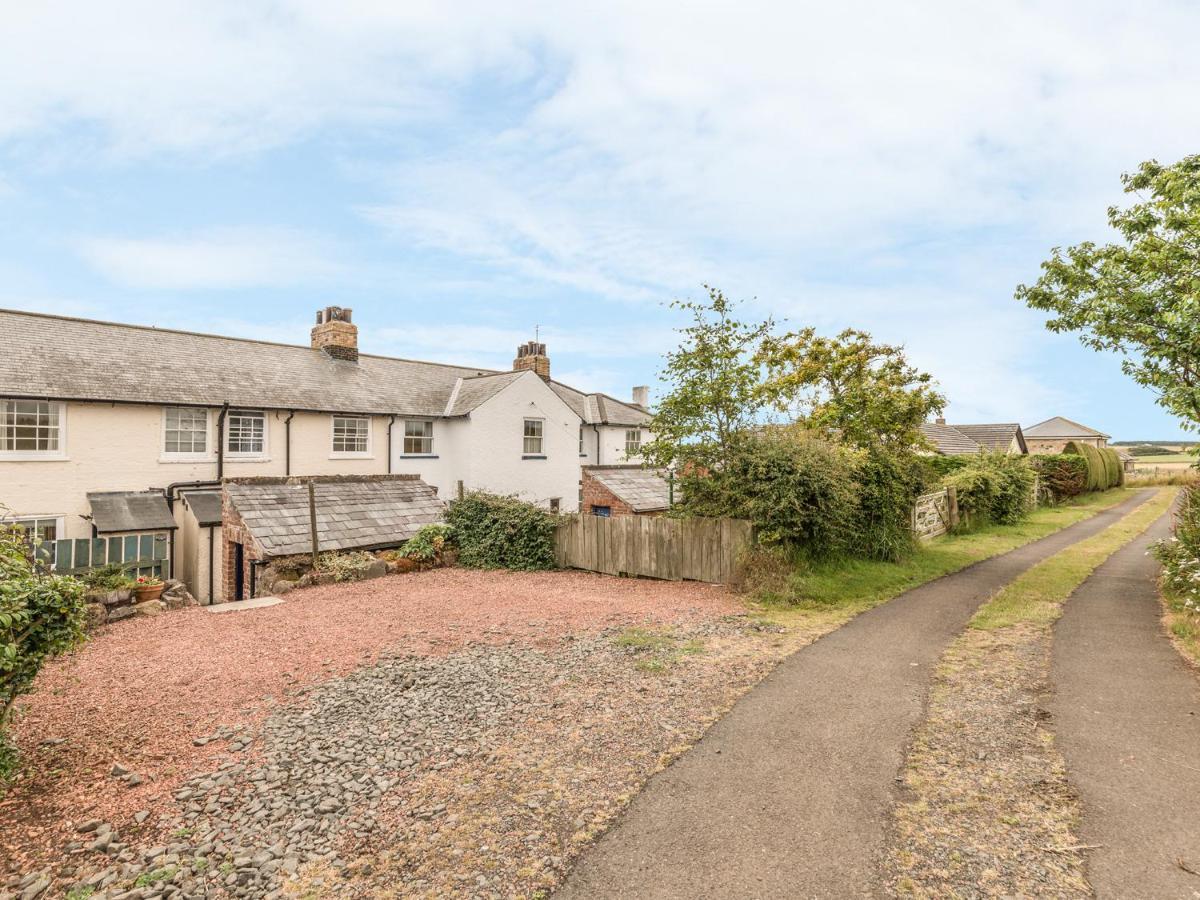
147, 592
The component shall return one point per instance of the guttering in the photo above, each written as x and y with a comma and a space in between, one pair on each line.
221, 440
391, 422
287, 452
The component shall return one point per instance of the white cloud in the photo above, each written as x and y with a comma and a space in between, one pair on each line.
215, 259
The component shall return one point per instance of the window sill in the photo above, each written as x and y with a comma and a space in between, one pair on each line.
247, 459
418, 456
351, 455
179, 458
33, 457
533, 456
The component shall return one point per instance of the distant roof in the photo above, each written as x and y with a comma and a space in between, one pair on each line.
948, 440
205, 506
645, 490
353, 512
995, 437
1059, 427
125, 511
63, 358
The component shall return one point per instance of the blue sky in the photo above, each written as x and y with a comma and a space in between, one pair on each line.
459, 173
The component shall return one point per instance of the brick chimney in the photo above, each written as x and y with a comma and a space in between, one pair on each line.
532, 355
641, 396
334, 334
940, 420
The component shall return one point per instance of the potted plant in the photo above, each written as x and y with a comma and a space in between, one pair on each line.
147, 587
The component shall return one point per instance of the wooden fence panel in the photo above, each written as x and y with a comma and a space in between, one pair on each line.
672, 549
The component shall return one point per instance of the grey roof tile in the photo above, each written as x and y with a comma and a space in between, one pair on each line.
118, 511
645, 490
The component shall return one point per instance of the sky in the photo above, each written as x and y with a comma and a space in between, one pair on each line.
461, 174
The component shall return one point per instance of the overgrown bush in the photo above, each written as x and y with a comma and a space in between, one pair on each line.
40, 616
428, 543
798, 492
1063, 475
888, 484
940, 466
112, 577
494, 532
996, 488
1180, 558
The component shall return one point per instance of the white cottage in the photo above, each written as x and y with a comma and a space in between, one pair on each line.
154, 419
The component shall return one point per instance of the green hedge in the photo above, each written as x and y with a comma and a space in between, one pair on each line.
994, 488
494, 532
1105, 469
1064, 475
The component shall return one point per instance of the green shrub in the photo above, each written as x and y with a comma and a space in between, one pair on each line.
496, 532
939, 466
40, 616
1063, 475
428, 543
888, 486
345, 566
1180, 556
112, 577
996, 488
799, 493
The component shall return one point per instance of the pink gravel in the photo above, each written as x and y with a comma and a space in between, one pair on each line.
138, 692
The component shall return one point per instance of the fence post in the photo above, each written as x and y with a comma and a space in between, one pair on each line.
312, 521
952, 505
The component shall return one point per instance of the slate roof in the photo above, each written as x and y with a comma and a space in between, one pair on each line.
205, 506
948, 440
645, 490
118, 511
63, 358
1060, 427
353, 513
473, 392
995, 437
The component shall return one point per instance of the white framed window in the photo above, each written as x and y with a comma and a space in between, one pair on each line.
633, 441
43, 529
418, 437
351, 436
33, 429
185, 433
533, 437
245, 433
581, 450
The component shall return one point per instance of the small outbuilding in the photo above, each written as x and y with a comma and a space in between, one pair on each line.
626, 490
268, 518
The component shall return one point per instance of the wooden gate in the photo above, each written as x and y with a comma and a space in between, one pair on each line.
672, 549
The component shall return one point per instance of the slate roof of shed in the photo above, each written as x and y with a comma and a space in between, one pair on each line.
125, 511
948, 440
205, 506
645, 490
64, 358
995, 437
1061, 427
353, 513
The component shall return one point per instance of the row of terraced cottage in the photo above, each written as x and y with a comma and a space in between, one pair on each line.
194, 452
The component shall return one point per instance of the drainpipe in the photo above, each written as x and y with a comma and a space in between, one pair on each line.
596, 428
221, 440
287, 453
391, 422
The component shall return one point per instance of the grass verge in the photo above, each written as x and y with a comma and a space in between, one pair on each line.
986, 806
823, 596
1183, 624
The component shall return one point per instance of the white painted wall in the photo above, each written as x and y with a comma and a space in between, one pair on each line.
191, 555
449, 462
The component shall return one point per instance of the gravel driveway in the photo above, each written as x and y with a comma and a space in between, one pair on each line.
449, 731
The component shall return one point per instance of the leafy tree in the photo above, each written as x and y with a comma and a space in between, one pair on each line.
1140, 297
713, 381
849, 388
40, 616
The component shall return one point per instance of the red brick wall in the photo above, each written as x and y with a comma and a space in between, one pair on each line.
234, 531
596, 494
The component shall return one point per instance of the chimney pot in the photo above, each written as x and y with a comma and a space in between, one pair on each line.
335, 334
641, 396
940, 420
532, 356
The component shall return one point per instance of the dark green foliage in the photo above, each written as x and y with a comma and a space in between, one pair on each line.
1104, 466
1063, 475
940, 466
1180, 554
888, 486
40, 616
496, 532
111, 577
799, 492
1148, 450
996, 488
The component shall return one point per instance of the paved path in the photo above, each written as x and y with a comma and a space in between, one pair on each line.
788, 794
1126, 717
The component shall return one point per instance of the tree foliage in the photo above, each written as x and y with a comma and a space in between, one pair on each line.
849, 388
494, 532
1140, 297
712, 383
40, 616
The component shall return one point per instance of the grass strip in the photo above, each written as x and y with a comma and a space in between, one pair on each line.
1183, 624
986, 806
1036, 596
821, 597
